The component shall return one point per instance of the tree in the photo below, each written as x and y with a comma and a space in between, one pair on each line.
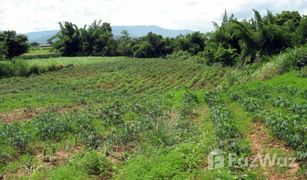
12, 44
67, 41
98, 40
151, 45
124, 44
289, 19
247, 40
301, 30
143, 50
192, 43
35, 44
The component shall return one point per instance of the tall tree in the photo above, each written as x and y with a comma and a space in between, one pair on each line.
12, 44
67, 41
124, 44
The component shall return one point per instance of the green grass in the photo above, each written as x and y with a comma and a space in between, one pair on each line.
39, 50
74, 61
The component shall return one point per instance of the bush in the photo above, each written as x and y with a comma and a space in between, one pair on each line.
22, 68
97, 164
34, 70
184, 55
13, 68
180, 55
143, 50
303, 72
55, 67
227, 57
294, 59
39, 56
5, 69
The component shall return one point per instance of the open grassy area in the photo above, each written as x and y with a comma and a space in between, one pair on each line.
124, 118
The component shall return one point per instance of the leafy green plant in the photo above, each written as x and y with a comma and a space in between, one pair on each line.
15, 136
281, 102
97, 164
49, 126
300, 109
252, 104
112, 114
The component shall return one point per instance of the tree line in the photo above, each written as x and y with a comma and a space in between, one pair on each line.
232, 42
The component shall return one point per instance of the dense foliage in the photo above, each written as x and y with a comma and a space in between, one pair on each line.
12, 44
233, 42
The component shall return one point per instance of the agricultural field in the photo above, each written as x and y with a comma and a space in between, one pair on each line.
39, 52
126, 118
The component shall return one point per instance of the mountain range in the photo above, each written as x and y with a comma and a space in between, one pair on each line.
134, 31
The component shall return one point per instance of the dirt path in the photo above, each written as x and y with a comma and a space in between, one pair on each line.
260, 142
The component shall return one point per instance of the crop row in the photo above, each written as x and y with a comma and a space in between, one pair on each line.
113, 125
285, 118
227, 134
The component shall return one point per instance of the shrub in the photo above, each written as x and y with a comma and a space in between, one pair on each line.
184, 55
303, 72
34, 70
55, 67
13, 68
294, 59
143, 50
39, 56
180, 55
20, 68
5, 69
84, 166
97, 164
162, 132
227, 57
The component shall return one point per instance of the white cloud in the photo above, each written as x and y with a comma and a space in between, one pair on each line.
35, 15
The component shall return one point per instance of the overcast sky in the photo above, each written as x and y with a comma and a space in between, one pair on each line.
36, 15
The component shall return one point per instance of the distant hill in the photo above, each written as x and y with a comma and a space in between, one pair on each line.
134, 31
41, 36
138, 31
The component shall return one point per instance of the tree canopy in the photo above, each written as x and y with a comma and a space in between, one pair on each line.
12, 44
232, 42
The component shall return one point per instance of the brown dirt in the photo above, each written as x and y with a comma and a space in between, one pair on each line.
118, 152
106, 86
61, 156
56, 159
260, 140
20, 114
26, 114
